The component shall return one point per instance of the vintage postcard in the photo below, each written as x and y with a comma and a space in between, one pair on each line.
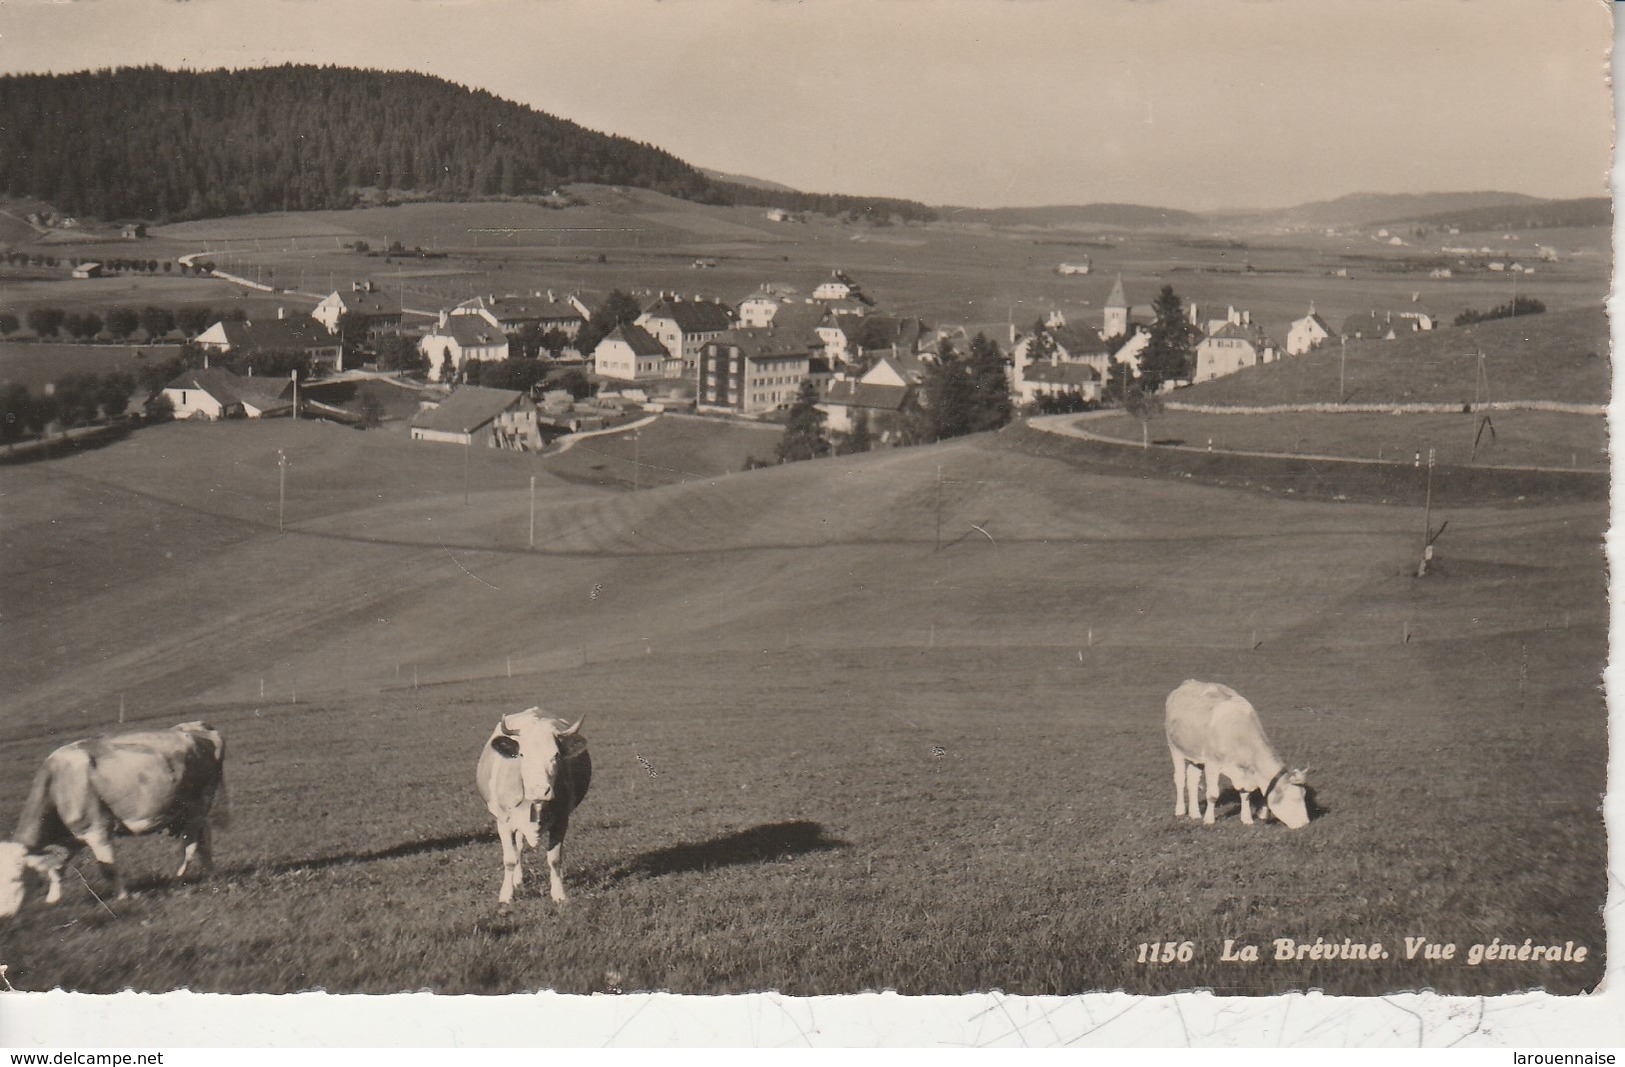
1009, 500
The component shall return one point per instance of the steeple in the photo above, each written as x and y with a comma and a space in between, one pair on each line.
1116, 299
1115, 318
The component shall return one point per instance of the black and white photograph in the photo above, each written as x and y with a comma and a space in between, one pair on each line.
1023, 497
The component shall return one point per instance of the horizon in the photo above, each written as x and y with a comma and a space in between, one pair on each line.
966, 112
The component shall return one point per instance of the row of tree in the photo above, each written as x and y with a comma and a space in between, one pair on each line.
119, 323
150, 143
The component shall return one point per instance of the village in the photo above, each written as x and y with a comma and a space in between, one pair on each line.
670, 352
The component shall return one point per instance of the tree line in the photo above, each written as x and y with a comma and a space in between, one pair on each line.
119, 323
1523, 305
155, 144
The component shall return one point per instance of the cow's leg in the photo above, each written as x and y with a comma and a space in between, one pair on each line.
1246, 805
1212, 796
53, 883
510, 864
1193, 789
555, 864
1179, 783
101, 846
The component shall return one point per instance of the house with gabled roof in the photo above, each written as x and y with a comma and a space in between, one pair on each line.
758, 308
1383, 325
1307, 333
477, 415
683, 326
632, 354
380, 309
285, 333
209, 393
457, 340
847, 338
840, 286
1232, 347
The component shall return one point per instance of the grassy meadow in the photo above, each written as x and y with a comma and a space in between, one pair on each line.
880, 747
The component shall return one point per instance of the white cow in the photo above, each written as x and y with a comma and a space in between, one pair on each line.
1212, 728
88, 791
533, 771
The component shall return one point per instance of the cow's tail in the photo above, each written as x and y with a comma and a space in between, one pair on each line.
31, 824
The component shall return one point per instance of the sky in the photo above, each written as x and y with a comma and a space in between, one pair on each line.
1193, 104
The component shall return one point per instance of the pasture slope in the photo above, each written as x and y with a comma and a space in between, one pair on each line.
867, 761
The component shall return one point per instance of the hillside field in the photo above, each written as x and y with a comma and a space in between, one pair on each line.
889, 721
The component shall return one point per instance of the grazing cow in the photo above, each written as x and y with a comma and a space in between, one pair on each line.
88, 791
533, 772
1212, 728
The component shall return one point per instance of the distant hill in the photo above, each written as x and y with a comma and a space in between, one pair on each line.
148, 143
1539, 215
747, 181
1368, 209
1123, 216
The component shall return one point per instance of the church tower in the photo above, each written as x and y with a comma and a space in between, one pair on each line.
1116, 312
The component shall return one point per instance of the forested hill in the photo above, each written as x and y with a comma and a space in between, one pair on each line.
148, 143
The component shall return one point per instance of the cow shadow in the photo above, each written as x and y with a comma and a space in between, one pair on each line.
247, 871
758, 844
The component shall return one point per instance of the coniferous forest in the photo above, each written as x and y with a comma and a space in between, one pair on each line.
154, 144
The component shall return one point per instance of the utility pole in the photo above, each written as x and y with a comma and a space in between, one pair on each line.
533, 511
635, 439
1427, 522
1342, 364
468, 447
938, 545
281, 486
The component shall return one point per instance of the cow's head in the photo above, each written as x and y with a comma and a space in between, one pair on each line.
540, 744
1288, 798
15, 864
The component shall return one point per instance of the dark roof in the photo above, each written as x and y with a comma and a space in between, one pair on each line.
299, 332
263, 391
470, 331
527, 309
692, 316
376, 302
1079, 340
871, 395
800, 320
216, 381
641, 341
467, 409
766, 342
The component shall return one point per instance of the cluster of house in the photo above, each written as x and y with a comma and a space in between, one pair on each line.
747, 360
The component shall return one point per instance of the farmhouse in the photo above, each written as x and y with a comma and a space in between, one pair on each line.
632, 354
1307, 333
838, 286
475, 415
88, 270
682, 326
460, 339
749, 372
210, 393
282, 334
379, 310
848, 401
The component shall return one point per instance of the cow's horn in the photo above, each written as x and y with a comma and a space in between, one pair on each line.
502, 724
570, 730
